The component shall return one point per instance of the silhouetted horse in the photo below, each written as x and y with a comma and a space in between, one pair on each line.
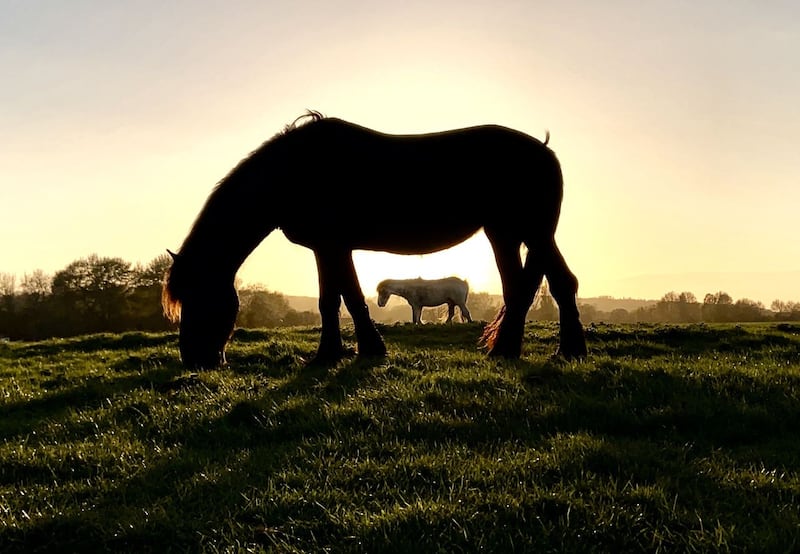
335, 187
428, 292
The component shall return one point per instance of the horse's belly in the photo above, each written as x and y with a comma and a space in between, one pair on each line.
413, 239
404, 237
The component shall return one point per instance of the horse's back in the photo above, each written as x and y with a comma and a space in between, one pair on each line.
435, 292
419, 160
485, 176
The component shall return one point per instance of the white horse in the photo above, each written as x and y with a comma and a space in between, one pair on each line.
428, 292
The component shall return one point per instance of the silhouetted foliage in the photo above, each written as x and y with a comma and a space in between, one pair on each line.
97, 294
92, 294
259, 307
718, 307
544, 307
786, 311
483, 306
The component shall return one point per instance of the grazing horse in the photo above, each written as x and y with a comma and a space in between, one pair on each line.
310, 180
428, 292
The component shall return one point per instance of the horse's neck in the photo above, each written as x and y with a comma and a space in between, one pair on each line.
223, 251
404, 290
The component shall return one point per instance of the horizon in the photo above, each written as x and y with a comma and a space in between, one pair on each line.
675, 125
731, 283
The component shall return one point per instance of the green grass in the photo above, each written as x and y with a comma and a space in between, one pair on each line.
679, 438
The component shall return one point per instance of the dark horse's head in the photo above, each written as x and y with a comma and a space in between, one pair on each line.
206, 306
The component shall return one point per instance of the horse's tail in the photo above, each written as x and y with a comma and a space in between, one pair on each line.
489, 335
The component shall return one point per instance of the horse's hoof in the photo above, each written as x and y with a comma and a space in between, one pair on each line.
329, 358
495, 353
371, 346
321, 361
365, 355
572, 355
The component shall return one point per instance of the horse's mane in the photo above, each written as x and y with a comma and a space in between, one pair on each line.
311, 116
170, 304
171, 288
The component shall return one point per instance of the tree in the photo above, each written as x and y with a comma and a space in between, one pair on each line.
151, 275
259, 307
718, 298
35, 306
293, 317
666, 309
92, 293
689, 310
8, 284
393, 312
778, 306
144, 297
8, 304
748, 310
482, 306
37, 284
717, 307
544, 307
589, 313
619, 315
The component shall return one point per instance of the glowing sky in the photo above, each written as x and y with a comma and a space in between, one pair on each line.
677, 125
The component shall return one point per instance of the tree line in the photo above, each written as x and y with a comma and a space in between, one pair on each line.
718, 307
101, 294
104, 294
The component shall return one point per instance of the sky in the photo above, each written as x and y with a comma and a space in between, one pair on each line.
676, 124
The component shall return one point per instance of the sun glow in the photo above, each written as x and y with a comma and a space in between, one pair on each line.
472, 260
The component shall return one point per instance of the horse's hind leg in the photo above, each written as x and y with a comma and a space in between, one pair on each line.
451, 311
564, 288
465, 315
504, 336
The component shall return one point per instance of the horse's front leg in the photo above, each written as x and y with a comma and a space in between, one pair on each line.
330, 348
370, 342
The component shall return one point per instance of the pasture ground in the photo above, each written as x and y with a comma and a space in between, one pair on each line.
680, 438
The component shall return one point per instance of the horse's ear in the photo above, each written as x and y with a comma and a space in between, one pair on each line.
173, 254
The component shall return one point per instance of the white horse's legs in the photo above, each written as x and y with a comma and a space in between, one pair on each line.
465, 315
416, 313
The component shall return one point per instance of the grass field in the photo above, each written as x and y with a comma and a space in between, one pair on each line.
667, 439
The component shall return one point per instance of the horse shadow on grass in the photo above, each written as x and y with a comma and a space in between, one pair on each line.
647, 426
93, 343
246, 447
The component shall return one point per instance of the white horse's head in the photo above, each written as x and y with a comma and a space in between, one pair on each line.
384, 292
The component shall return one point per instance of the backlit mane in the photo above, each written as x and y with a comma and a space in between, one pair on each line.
170, 304
311, 116
171, 291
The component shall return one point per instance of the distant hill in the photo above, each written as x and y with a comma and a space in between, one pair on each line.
609, 304
303, 303
602, 303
